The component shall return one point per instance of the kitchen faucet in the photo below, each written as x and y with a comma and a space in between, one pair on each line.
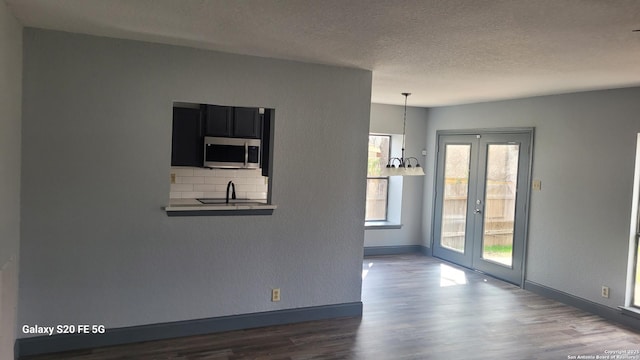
233, 191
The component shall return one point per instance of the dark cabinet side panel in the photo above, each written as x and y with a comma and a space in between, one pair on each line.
267, 126
187, 138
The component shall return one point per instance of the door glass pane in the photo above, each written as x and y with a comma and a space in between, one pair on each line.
456, 189
500, 202
636, 292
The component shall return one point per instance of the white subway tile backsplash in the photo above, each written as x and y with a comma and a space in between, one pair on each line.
192, 195
237, 181
226, 173
221, 188
242, 187
257, 195
256, 181
248, 173
215, 180
182, 171
181, 187
206, 187
190, 180
215, 195
203, 172
212, 183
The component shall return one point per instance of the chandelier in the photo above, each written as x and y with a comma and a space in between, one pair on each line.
402, 166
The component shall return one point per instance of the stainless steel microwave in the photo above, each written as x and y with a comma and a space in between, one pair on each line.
231, 153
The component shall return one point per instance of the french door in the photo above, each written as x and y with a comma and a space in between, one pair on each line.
482, 192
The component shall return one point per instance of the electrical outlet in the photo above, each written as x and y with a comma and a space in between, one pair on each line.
537, 185
605, 291
275, 295
173, 178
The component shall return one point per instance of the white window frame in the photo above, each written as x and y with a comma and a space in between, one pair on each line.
394, 191
385, 178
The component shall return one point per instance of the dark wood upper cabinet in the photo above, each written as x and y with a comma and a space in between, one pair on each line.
246, 123
192, 122
228, 121
219, 120
187, 137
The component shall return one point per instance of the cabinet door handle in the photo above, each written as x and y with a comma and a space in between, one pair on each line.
246, 153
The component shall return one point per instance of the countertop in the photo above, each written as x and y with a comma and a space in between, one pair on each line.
235, 207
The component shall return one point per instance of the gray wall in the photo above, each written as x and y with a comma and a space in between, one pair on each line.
98, 115
10, 105
387, 119
584, 154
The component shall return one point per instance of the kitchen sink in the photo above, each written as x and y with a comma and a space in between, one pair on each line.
216, 201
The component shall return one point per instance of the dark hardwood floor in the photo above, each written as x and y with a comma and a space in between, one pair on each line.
415, 307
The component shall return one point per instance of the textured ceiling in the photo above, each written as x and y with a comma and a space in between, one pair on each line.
444, 52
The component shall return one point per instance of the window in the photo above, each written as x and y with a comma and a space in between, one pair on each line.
377, 186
